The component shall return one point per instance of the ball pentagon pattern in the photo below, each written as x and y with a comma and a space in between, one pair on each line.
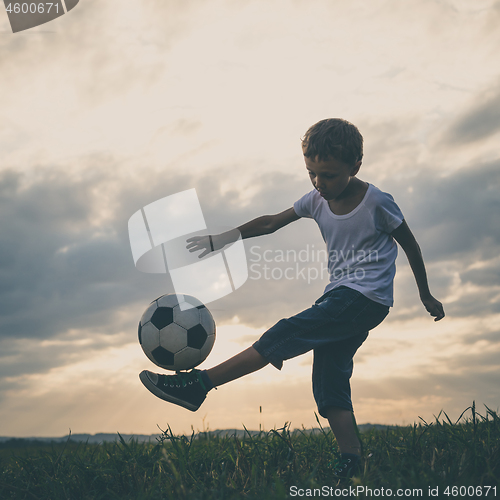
174, 338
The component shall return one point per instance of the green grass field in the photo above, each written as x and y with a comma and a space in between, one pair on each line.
461, 459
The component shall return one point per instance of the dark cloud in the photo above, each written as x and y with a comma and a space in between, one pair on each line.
66, 262
480, 122
456, 391
491, 338
487, 276
456, 214
24, 357
454, 219
456, 380
63, 265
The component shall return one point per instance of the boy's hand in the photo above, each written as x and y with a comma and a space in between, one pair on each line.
205, 243
434, 307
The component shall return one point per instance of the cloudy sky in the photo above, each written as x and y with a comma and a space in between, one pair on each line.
120, 103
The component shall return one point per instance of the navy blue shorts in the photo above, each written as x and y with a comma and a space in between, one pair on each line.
334, 327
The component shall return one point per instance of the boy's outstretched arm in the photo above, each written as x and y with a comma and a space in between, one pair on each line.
409, 244
266, 224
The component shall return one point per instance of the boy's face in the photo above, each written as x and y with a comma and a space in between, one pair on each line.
331, 177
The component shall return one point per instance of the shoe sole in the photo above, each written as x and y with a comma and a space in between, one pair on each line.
151, 387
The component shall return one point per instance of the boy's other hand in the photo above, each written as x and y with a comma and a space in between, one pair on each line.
434, 307
205, 243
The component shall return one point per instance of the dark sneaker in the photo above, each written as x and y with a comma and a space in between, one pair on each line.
184, 389
347, 466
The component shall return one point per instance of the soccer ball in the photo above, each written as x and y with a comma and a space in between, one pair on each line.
174, 338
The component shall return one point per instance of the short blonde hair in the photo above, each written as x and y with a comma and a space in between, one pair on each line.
333, 138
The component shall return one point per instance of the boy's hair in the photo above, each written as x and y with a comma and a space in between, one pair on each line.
333, 138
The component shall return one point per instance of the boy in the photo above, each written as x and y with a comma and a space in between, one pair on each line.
359, 224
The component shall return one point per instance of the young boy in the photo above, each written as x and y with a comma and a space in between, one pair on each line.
359, 224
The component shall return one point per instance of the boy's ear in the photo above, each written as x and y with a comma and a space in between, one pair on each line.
355, 168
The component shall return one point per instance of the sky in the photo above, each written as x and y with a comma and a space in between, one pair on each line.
120, 103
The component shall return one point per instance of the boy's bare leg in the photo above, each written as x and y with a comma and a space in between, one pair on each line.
342, 425
245, 362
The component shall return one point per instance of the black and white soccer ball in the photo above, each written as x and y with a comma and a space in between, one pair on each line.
177, 337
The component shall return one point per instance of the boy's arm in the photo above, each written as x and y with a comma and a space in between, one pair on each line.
266, 224
409, 244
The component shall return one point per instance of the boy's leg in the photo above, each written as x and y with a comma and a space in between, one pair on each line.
247, 361
343, 426
328, 320
332, 370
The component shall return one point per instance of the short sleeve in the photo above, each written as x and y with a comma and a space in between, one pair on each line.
303, 207
388, 215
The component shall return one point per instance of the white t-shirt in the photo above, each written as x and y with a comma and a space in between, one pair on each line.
361, 250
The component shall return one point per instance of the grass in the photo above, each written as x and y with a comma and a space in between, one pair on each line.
440, 454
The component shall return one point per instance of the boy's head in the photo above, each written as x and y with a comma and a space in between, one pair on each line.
333, 138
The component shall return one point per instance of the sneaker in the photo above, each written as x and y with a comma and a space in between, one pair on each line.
347, 466
185, 389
